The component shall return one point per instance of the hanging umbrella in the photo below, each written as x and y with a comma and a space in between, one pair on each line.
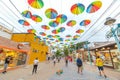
31, 31
67, 40
51, 13
76, 36
27, 14
56, 36
79, 31
61, 18
45, 27
94, 6
49, 36
71, 23
24, 22
61, 29
55, 32
42, 33
68, 36
53, 23
60, 39
36, 18
85, 22
36, 3
77, 8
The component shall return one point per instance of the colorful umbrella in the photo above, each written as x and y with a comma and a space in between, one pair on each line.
49, 36
36, 3
45, 27
79, 31
56, 36
27, 14
24, 22
61, 18
60, 39
77, 8
76, 36
51, 13
85, 22
36, 18
68, 36
55, 32
71, 23
31, 31
53, 23
42, 33
94, 6
61, 29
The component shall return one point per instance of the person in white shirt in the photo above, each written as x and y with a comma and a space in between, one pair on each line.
35, 65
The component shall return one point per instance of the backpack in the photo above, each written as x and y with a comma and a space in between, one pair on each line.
79, 61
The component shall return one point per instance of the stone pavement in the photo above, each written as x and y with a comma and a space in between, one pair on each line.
70, 73
46, 71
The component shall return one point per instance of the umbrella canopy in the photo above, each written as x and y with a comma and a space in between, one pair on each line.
51, 13
27, 14
71, 23
61, 18
94, 6
45, 27
24, 22
77, 8
36, 18
53, 23
61, 29
85, 22
36, 3
31, 31
79, 31
42, 33
55, 31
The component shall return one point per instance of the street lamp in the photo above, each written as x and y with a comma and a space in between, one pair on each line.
109, 21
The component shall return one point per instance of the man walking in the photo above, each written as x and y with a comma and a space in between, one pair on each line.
99, 64
35, 65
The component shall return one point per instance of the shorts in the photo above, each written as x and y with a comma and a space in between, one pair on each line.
79, 65
100, 68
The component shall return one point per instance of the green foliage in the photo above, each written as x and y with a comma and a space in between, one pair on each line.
66, 52
57, 54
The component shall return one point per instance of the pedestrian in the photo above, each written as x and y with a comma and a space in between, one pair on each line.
54, 61
7, 61
66, 61
79, 65
99, 64
35, 65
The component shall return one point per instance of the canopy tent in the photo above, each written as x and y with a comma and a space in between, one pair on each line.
88, 15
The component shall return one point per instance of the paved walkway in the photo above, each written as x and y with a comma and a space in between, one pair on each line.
46, 71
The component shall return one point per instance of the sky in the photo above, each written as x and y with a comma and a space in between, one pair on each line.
95, 31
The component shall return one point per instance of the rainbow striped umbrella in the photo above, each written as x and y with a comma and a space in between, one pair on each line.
42, 33
36, 18
61, 29
53, 23
85, 22
68, 36
45, 27
61, 18
24, 22
71, 23
94, 6
77, 8
51, 13
36, 3
31, 31
79, 31
55, 32
27, 14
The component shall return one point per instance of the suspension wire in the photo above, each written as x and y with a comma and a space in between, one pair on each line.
20, 13
99, 17
10, 24
102, 22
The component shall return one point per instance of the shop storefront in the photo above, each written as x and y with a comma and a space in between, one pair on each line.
18, 56
110, 54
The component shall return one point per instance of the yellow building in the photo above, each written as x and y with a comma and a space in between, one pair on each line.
37, 48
